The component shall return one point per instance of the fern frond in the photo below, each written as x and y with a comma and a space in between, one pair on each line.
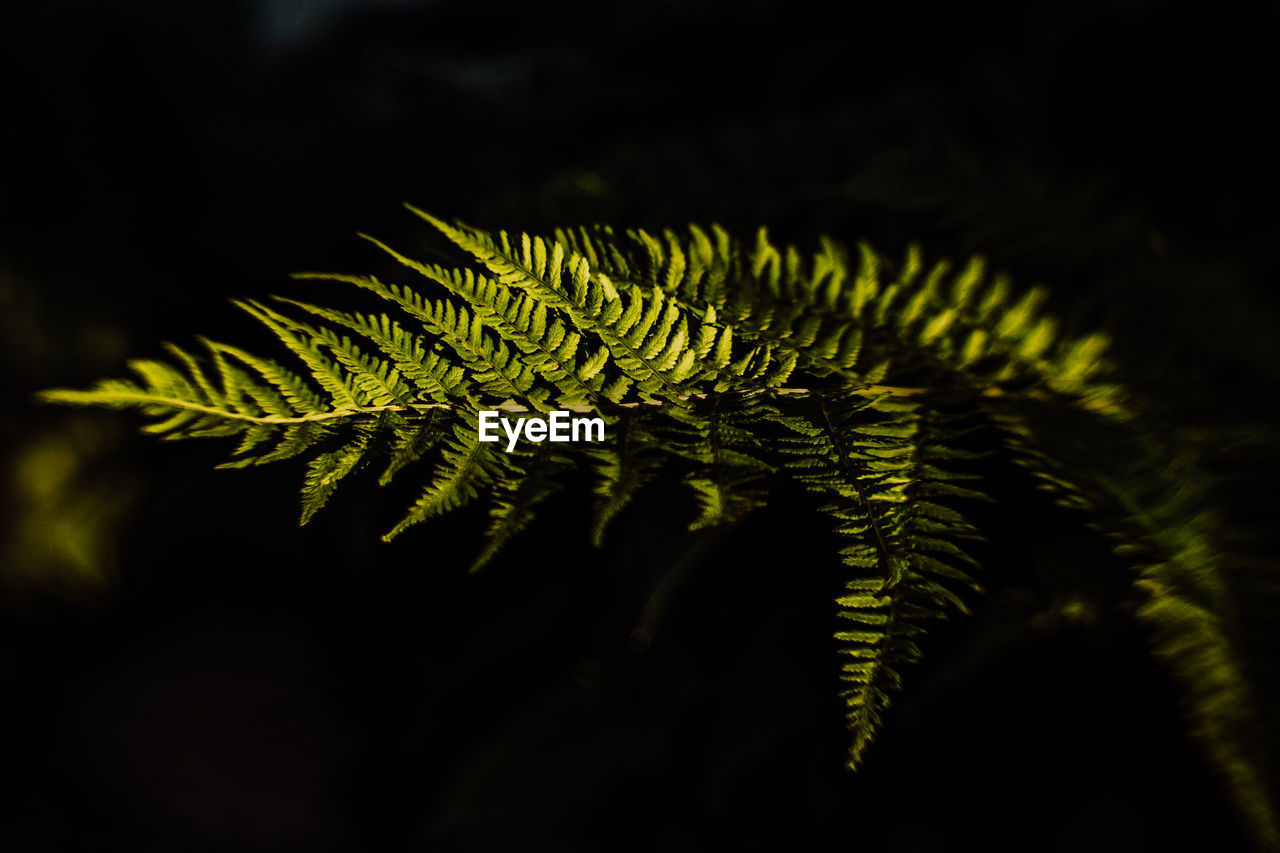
1148, 499
697, 349
874, 460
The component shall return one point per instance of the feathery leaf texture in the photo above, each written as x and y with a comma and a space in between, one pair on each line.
736, 364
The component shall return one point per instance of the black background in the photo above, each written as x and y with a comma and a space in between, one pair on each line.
186, 669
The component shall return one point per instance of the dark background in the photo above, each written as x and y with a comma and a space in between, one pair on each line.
183, 668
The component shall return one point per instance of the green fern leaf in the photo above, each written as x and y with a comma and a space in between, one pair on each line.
738, 363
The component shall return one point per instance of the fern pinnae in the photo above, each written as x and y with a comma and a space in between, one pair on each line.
1027, 345
872, 472
294, 395
937, 551
232, 380
196, 371
242, 395
495, 370
1168, 540
760, 313
521, 323
293, 441
326, 470
414, 439
697, 327
122, 395
466, 466
433, 377
623, 467
590, 302
324, 372
841, 455
252, 438
370, 380
528, 479
719, 436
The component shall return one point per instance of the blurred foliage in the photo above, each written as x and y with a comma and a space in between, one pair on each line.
68, 493
71, 498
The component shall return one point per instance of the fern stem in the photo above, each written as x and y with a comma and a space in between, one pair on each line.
88, 398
